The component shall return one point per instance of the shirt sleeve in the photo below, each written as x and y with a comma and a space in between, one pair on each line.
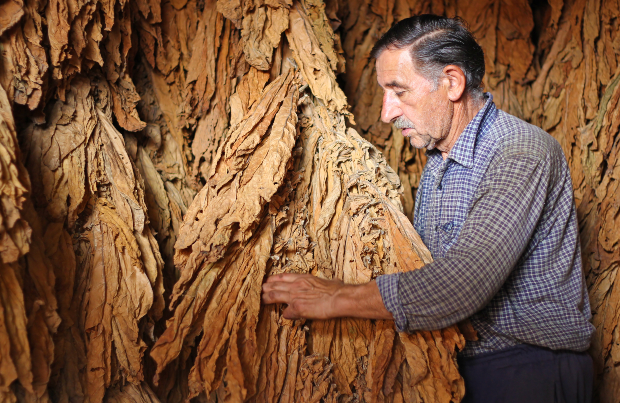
495, 234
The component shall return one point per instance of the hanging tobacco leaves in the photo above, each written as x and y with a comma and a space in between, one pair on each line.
159, 159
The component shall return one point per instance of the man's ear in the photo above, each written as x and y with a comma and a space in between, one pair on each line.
456, 80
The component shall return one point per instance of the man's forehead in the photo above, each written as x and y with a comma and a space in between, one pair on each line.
393, 58
394, 68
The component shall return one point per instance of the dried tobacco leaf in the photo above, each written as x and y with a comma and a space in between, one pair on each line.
118, 271
16, 359
28, 316
15, 238
225, 212
10, 13
261, 31
14, 229
314, 64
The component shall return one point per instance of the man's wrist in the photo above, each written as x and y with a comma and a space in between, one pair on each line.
342, 301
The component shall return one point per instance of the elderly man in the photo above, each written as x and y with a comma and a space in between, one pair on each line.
495, 208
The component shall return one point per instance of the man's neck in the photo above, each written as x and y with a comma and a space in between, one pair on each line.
464, 110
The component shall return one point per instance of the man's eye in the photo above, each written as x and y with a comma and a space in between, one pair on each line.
399, 93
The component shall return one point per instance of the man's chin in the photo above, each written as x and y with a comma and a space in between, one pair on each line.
421, 143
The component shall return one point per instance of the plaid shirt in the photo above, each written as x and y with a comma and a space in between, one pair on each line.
499, 218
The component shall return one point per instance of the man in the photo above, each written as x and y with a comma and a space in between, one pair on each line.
495, 208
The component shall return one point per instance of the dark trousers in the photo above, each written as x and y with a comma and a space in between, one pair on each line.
528, 374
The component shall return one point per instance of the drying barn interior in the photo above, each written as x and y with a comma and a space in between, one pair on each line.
160, 159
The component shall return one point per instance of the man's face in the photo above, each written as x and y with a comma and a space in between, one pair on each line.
411, 102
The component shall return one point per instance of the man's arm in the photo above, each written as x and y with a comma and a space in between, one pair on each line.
496, 233
448, 290
311, 297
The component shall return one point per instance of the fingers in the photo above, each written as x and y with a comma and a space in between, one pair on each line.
303, 308
300, 285
291, 314
276, 297
306, 296
275, 292
286, 277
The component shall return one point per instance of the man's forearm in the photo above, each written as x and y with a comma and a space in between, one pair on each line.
314, 298
361, 301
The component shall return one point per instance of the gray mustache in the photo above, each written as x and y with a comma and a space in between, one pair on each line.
402, 122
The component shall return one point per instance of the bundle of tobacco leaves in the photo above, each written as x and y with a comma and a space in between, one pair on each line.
293, 190
222, 127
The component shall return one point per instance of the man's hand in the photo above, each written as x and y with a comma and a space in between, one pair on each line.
311, 297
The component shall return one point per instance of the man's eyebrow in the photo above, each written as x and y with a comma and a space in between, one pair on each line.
396, 84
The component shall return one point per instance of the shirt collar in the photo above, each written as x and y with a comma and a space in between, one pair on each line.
463, 150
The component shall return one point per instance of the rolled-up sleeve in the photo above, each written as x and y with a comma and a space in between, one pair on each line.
494, 236
388, 287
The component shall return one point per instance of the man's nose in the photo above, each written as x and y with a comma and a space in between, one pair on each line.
391, 107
